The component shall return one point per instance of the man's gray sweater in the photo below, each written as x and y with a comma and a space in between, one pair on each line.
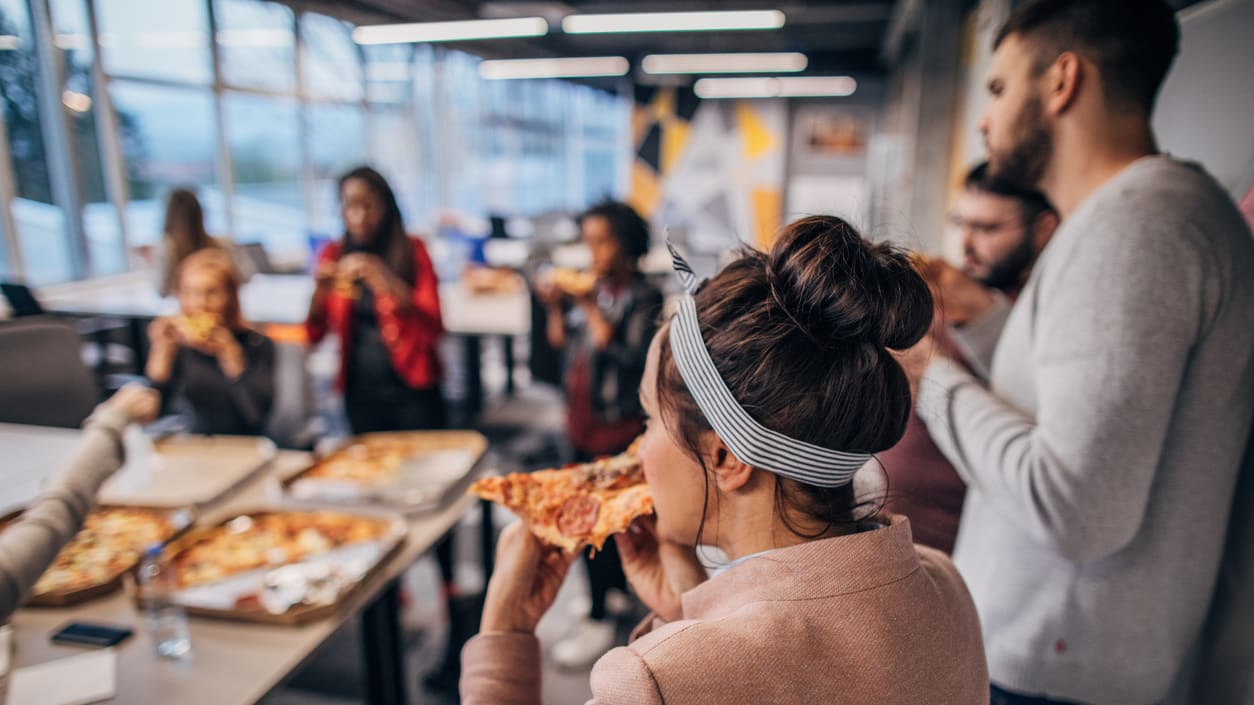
1101, 459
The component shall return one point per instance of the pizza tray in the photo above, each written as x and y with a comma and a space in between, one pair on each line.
181, 519
429, 478
221, 599
182, 471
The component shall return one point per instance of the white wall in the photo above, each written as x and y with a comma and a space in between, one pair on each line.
1206, 109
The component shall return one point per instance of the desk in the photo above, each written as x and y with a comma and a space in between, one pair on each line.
231, 663
284, 299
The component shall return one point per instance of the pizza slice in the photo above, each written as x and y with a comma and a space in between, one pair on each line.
580, 505
197, 327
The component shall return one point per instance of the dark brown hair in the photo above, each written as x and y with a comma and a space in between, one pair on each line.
1132, 42
628, 228
184, 232
390, 241
801, 336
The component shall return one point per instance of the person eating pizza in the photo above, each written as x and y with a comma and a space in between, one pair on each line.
206, 361
767, 390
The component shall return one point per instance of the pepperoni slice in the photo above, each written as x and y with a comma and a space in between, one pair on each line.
578, 515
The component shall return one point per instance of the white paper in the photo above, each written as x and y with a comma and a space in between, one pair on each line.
78, 680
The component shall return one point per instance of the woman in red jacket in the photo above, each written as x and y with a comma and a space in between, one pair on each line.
377, 290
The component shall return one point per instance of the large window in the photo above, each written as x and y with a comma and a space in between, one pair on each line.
261, 119
265, 163
257, 44
81, 100
170, 145
337, 144
40, 222
160, 39
330, 63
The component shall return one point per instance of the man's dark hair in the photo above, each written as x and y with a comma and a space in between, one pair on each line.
1132, 42
626, 225
1032, 203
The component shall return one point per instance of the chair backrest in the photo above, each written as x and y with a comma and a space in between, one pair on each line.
21, 301
43, 380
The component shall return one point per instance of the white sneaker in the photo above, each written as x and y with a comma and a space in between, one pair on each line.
588, 643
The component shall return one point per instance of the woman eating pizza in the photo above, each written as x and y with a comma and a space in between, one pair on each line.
772, 384
207, 362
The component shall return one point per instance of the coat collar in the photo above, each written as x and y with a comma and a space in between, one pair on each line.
823, 568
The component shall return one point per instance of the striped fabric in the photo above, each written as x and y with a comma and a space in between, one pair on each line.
751, 442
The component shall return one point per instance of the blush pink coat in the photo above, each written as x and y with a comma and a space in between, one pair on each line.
865, 619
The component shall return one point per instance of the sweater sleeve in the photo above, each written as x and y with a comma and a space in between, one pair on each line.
316, 323
420, 321
31, 543
253, 391
1111, 331
977, 340
621, 677
501, 669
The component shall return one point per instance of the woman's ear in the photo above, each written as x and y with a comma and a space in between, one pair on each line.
730, 472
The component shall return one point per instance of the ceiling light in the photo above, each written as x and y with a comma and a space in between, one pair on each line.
451, 31
10, 42
763, 62
673, 21
773, 87
554, 68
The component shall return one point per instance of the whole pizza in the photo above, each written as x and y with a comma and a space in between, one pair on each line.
371, 460
253, 541
579, 505
111, 542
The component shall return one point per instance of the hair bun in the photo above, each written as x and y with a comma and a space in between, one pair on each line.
839, 288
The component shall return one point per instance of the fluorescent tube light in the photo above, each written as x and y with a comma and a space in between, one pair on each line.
776, 87
762, 62
574, 67
715, 21
461, 30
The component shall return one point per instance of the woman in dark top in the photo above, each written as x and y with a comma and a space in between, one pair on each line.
206, 361
605, 334
377, 290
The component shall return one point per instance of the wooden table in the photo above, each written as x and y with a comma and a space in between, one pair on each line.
230, 663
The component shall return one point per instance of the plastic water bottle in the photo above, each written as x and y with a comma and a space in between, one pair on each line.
166, 621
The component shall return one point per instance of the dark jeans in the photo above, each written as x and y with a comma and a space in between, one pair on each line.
1005, 697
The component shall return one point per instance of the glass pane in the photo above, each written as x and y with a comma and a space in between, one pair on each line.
431, 198
155, 39
463, 132
394, 152
330, 62
40, 224
389, 73
265, 161
168, 141
257, 44
100, 218
337, 143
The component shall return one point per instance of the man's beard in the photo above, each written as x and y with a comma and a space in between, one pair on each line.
1024, 163
1008, 274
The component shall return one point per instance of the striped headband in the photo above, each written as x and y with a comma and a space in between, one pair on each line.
750, 441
